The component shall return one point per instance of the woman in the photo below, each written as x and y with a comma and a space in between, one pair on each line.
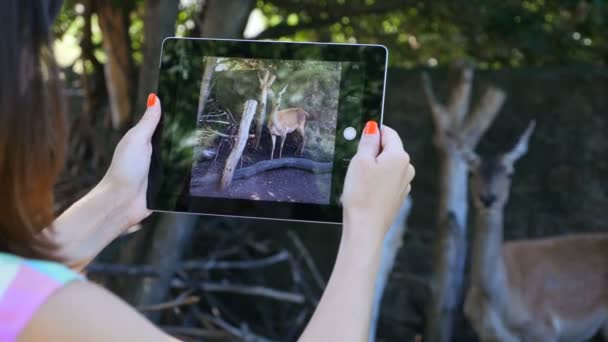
42, 298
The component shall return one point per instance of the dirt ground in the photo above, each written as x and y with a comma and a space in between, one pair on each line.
284, 185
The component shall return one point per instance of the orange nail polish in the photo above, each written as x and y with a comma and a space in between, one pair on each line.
151, 99
371, 127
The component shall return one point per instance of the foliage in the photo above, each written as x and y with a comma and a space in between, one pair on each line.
493, 33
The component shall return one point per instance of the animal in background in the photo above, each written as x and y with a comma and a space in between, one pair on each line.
286, 121
550, 289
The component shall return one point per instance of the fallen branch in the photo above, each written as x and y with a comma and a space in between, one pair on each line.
217, 121
254, 290
171, 304
122, 270
244, 333
226, 265
196, 332
266, 165
224, 135
307, 259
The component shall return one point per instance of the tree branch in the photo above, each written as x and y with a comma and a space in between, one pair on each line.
482, 116
459, 102
307, 259
441, 116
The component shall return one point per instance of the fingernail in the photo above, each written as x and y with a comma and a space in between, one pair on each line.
371, 127
151, 100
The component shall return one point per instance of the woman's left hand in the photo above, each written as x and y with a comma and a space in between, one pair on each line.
128, 172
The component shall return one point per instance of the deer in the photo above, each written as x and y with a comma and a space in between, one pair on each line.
286, 121
547, 289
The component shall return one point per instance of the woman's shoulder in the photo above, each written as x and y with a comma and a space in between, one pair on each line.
43, 304
25, 284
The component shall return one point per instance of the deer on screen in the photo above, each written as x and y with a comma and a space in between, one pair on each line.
550, 289
285, 121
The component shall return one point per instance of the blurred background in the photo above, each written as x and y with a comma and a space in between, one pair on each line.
221, 279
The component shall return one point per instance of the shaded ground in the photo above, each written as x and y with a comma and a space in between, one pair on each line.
284, 185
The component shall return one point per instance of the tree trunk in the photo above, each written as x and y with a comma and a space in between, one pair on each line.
93, 81
173, 231
114, 25
239, 144
265, 84
457, 132
390, 246
210, 63
225, 18
159, 23
179, 227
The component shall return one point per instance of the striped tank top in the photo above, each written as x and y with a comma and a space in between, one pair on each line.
25, 284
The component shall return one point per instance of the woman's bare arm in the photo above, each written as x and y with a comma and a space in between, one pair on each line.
116, 203
377, 182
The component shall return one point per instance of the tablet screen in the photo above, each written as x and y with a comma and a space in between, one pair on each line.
260, 128
292, 159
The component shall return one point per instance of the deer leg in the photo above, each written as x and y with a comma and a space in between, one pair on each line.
283, 138
274, 140
301, 131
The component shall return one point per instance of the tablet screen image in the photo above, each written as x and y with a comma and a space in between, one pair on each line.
290, 143
261, 129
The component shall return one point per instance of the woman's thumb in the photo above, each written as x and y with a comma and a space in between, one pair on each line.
369, 145
148, 122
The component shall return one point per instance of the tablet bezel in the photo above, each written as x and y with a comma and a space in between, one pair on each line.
160, 198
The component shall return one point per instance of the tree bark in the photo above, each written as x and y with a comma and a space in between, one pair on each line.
239, 144
210, 63
457, 132
114, 25
225, 18
171, 238
159, 23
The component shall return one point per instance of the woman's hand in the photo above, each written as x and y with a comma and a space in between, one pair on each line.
377, 181
128, 172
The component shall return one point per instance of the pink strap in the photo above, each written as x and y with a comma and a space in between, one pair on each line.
29, 289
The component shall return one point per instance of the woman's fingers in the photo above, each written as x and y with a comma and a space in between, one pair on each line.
369, 144
392, 147
148, 122
391, 139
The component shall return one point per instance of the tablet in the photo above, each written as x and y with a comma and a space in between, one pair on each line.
261, 129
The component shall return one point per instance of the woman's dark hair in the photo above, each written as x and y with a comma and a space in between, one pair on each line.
32, 127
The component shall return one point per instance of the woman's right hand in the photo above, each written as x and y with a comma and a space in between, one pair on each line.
377, 182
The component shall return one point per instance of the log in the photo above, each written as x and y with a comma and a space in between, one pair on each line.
266, 165
239, 144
